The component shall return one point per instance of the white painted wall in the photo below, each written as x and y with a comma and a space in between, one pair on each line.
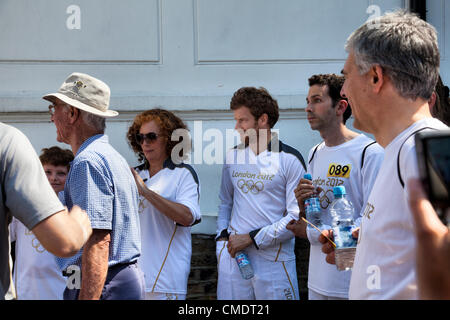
188, 56
439, 16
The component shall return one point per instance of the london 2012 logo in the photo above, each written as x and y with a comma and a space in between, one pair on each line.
250, 186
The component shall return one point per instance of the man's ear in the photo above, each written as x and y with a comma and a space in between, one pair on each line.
377, 78
74, 114
340, 107
263, 120
432, 100
432, 103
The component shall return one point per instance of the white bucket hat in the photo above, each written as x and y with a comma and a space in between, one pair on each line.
85, 92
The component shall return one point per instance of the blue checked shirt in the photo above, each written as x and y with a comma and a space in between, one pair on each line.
100, 182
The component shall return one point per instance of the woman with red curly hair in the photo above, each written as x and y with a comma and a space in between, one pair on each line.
169, 202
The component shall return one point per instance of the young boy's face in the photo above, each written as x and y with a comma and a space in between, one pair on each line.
56, 175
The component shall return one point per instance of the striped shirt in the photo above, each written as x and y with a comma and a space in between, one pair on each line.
100, 182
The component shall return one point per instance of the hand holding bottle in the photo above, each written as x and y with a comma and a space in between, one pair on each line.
328, 248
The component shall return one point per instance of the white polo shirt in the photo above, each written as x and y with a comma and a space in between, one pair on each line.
166, 246
384, 266
257, 197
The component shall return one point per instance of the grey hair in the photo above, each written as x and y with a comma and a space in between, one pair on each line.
405, 47
96, 122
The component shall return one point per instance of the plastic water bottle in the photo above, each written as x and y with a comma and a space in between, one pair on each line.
341, 211
244, 265
312, 207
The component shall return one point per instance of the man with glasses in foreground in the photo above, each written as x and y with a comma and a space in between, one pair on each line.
100, 182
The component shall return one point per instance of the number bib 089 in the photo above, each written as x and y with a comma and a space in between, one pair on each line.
338, 170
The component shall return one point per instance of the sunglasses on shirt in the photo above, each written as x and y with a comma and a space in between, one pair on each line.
147, 137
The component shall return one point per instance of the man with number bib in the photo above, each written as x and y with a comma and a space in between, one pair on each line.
257, 202
343, 158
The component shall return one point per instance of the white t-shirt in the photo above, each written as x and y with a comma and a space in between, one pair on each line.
257, 197
166, 246
339, 166
384, 266
36, 274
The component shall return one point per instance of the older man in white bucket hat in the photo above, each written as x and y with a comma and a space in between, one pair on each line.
100, 182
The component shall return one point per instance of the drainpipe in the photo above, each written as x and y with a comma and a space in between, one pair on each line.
419, 7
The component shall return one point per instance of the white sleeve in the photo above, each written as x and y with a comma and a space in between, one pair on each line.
409, 168
226, 200
188, 194
276, 232
372, 162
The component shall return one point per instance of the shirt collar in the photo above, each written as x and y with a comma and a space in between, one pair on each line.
275, 143
88, 141
168, 163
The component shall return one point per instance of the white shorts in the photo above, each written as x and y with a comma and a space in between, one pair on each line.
273, 280
164, 296
314, 295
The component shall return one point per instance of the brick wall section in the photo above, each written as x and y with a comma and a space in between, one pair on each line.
202, 281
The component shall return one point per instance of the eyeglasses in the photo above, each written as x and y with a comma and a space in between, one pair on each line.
51, 109
148, 137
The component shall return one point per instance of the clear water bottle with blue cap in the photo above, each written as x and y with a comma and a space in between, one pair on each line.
312, 206
244, 264
341, 210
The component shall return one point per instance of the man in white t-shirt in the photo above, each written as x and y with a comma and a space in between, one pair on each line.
343, 158
257, 202
390, 74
